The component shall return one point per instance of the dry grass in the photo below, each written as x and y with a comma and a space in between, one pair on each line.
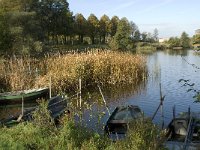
96, 66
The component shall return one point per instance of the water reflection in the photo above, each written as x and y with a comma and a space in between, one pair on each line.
176, 52
167, 68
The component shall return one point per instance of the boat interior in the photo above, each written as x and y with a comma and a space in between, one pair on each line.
118, 121
177, 129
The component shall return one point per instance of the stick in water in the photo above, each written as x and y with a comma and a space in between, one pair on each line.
104, 100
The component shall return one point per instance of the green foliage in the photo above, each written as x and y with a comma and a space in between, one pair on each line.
182, 42
145, 48
93, 27
196, 39
81, 26
121, 40
42, 134
174, 42
113, 25
104, 27
137, 36
185, 40
191, 86
5, 35
143, 134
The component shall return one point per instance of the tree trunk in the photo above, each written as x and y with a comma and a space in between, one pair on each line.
82, 38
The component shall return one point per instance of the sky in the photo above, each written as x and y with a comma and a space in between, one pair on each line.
170, 17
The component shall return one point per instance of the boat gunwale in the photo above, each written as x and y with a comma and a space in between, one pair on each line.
16, 93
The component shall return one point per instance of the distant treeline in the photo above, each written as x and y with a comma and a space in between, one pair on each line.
26, 26
183, 42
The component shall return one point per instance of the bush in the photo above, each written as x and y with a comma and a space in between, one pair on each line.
43, 134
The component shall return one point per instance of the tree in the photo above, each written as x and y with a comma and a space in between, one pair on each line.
137, 36
5, 35
144, 36
104, 27
53, 16
93, 27
174, 42
196, 39
134, 28
81, 26
185, 40
155, 35
113, 25
122, 40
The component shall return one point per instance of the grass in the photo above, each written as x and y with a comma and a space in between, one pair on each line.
42, 133
146, 48
94, 67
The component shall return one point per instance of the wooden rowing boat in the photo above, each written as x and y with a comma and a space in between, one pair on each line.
117, 124
183, 132
27, 95
56, 106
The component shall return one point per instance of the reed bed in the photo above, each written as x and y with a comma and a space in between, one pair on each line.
94, 67
18, 73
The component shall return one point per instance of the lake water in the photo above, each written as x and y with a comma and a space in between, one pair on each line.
165, 67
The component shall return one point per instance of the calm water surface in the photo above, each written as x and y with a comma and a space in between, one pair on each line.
167, 68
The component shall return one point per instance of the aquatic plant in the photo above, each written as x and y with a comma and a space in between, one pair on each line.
70, 135
93, 67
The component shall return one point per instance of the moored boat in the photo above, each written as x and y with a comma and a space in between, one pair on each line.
28, 96
56, 106
183, 132
117, 124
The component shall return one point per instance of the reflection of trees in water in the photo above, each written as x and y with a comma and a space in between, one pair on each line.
112, 93
176, 52
123, 92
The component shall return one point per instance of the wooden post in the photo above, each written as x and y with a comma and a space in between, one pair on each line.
77, 102
174, 112
50, 87
160, 105
161, 109
22, 104
104, 100
80, 92
189, 112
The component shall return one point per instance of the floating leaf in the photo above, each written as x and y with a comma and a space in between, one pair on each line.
191, 84
189, 90
180, 80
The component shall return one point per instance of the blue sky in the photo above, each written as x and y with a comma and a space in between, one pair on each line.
170, 17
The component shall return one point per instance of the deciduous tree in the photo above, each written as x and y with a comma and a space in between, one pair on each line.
122, 40
113, 25
185, 40
93, 27
104, 27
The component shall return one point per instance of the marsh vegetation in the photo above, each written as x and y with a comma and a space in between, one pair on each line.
93, 67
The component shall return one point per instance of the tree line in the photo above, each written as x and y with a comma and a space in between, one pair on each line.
29, 25
184, 41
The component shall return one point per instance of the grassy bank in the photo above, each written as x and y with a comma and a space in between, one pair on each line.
146, 48
41, 133
94, 67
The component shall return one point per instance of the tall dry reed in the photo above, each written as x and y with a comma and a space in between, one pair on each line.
93, 67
